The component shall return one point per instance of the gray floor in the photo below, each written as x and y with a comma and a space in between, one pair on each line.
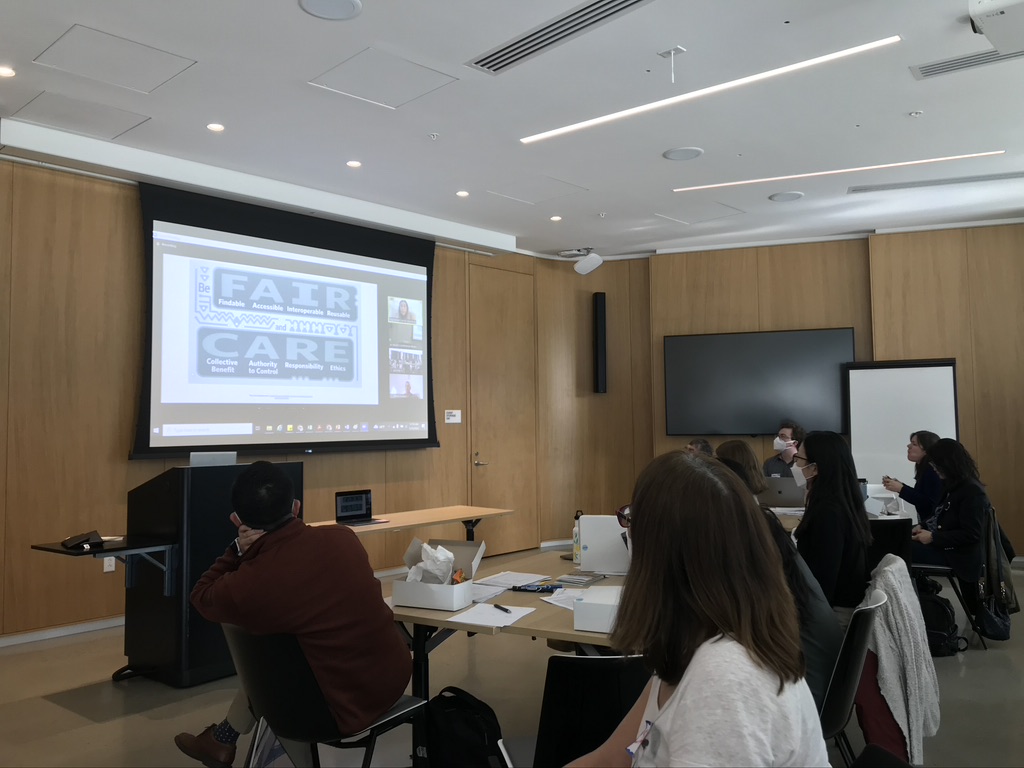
59, 708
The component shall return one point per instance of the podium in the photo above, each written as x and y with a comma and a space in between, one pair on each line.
187, 508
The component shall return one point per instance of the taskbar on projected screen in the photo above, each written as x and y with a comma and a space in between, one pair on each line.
297, 432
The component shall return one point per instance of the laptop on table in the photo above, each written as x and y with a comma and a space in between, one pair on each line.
354, 508
782, 492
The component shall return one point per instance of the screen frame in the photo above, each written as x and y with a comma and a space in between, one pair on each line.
242, 218
841, 402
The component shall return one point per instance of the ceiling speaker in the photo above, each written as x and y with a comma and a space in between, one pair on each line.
588, 264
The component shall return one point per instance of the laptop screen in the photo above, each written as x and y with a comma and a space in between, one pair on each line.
352, 506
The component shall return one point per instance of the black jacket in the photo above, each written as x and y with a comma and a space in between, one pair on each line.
958, 527
828, 544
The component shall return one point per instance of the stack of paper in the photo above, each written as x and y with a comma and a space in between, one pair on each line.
564, 598
509, 579
488, 615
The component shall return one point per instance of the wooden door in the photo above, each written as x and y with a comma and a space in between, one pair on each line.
503, 405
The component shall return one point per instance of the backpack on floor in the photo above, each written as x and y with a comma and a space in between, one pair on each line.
462, 732
944, 637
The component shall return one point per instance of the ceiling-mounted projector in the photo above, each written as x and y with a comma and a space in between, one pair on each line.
1001, 21
588, 263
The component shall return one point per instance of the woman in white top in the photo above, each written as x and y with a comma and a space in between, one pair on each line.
706, 604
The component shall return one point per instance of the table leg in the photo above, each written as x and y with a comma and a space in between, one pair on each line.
470, 525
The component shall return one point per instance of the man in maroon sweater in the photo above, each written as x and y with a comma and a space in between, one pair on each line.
282, 577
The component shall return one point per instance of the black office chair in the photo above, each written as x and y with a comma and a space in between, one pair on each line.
283, 691
945, 572
585, 699
842, 688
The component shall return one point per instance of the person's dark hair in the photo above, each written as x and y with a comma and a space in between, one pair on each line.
787, 550
702, 446
739, 452
953, 462
926, 440
834, 486
799, 433
262, 496
703, 564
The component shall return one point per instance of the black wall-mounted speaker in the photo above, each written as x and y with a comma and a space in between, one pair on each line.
600, 345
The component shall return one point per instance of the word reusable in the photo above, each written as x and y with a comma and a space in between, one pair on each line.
234, 289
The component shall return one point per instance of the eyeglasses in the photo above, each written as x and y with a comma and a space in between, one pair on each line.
802, 458
624, 516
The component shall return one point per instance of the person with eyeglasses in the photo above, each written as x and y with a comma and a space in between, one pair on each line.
706, 604
926, 491
833, 537
787, 441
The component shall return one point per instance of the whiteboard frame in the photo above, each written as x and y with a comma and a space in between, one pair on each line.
891, 365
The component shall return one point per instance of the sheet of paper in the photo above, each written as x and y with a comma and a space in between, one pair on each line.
564, 598
389, 601
484, 592
486, 615
509, 579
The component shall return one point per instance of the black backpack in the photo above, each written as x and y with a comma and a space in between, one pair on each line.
943, 634
462, 731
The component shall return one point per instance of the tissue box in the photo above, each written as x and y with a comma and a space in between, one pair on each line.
441, 597
595, 610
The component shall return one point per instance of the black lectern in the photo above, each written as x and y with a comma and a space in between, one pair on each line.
164, 637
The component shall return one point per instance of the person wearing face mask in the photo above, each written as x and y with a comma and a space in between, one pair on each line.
786, 443
926, 491
833, 536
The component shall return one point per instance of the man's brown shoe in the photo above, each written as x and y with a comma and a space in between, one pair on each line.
206, 749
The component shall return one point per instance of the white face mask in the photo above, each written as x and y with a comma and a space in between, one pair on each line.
799, 477
780, 445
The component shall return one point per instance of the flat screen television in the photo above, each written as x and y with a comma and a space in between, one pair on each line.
746, 383
271, 331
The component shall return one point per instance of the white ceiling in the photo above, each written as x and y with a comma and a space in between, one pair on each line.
253, 62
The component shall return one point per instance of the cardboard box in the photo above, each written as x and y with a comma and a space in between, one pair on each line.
595, 610
440, 597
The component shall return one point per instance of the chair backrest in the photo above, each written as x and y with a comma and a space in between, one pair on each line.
585, 699
842, 688
281, 686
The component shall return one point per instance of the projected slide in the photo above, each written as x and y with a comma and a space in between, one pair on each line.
258, 341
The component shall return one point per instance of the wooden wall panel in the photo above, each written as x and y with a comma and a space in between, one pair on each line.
438, 477
585, 450
6, 212
640, 362
921, 307
76, 342
995, 260
815, 285
511, 262
703, 292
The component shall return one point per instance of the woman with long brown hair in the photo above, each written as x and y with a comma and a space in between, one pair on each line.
706, 604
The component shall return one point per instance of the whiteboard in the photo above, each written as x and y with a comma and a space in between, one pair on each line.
888, 401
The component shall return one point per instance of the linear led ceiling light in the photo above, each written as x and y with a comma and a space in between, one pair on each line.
711, 89
840, 170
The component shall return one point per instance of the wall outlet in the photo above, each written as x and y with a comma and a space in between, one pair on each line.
109, 564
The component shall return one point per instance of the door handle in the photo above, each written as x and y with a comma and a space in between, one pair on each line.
477, 462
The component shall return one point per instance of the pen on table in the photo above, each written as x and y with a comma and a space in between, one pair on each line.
501, 608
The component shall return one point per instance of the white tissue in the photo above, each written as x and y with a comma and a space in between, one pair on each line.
435, 566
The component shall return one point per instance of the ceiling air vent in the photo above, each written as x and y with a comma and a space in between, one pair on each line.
948, 66
555, 32
936, 182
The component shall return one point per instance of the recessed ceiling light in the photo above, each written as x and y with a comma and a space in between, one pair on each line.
353, 164
215, 127
842, 170
7, 72
916, 113
712, 89
556, 218
462, 193
785, 197
332, 10
682, 153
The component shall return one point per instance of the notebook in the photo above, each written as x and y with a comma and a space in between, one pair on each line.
782, 492
354, 508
